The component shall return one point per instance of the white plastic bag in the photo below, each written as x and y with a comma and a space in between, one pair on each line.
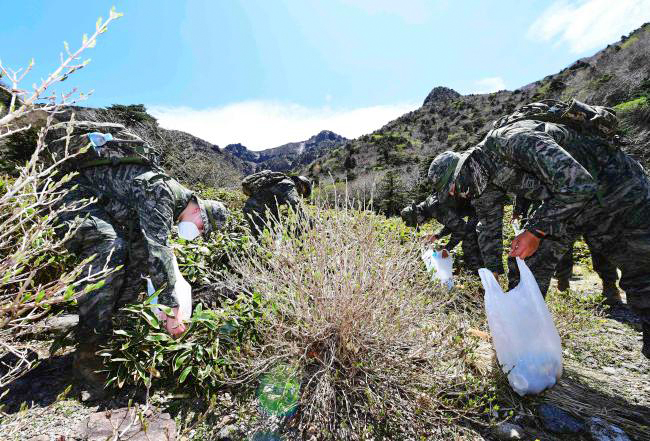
526, 341
440, 267
183, 292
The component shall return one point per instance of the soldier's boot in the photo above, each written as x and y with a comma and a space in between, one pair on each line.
611, 293
563, 284
87, 367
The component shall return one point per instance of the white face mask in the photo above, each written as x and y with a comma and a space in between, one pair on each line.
188, 230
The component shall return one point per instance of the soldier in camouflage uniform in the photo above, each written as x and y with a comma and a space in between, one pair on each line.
450, 215
267, 191
127, 227
586, 184
564, 269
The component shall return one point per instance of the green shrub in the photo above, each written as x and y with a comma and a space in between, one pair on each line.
629, 42
141, 352
201, 262
632, 105
600, 81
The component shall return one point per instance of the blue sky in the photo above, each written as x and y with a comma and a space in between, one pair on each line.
265, 72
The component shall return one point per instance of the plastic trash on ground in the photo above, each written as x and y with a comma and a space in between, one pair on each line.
183, 292
440, 267
526, 341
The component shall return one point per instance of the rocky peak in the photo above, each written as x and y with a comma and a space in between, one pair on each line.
326, 135
241, 152
441, 95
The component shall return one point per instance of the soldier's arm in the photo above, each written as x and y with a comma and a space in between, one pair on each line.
570, 184
489, 211
156, 217
427, 208
452, 223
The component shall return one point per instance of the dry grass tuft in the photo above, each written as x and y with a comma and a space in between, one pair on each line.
349, 310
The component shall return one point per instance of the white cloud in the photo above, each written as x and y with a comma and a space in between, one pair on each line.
489, 85
589, 24
261, 124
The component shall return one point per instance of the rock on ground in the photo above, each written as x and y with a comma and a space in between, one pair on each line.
506, 431
556, 420
103, 425
600, 430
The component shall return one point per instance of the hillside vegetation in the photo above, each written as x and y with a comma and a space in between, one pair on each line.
617, 76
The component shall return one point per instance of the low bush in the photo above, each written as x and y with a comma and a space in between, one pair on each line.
632, 105
348, 312
141, 352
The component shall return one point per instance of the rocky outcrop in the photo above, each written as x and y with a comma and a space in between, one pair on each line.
290, 156
441, 95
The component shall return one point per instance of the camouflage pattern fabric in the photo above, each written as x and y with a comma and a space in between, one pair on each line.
450, 214
596, 190
549, 253
543, 264
605, 269
129, 225
125, 143
578, 115
268, 191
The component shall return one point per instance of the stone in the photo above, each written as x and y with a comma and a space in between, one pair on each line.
610, 370
40, 438
104, 425
507, 431
601, 430
228, 433
59, 324
557, 420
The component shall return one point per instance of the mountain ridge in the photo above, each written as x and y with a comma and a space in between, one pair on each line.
616, 76
289, 156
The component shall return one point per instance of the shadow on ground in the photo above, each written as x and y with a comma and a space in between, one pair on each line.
41, 386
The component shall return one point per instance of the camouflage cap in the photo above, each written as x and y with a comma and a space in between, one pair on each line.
213, 214
441, 171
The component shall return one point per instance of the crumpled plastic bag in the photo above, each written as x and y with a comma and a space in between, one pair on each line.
526, 341
441, 268
183, 292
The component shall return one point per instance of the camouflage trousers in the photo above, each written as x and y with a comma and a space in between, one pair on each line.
629, 250
98, 232
602, 265
261, 215
471, 249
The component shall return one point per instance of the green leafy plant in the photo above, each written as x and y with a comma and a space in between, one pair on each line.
141, 352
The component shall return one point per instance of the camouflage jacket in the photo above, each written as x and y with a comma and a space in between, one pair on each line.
582, 181
139, 197
268, 190
449, 214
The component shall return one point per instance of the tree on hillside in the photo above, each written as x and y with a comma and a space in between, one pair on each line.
422, 188
391, 196
132, 114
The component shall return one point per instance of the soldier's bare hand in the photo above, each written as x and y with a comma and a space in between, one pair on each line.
174, 325
524, 245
